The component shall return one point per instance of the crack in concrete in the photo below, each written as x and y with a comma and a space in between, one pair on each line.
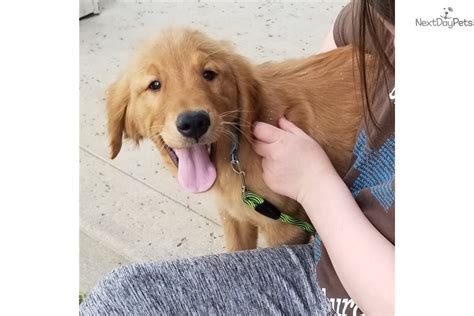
146, 184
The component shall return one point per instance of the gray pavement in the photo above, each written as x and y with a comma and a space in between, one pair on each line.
131, 208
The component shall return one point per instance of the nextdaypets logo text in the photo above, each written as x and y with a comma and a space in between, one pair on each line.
445, 20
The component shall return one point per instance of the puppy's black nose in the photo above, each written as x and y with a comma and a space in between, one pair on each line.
193, 124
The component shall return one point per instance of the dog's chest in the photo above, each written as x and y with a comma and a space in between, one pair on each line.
229, 200
228, 195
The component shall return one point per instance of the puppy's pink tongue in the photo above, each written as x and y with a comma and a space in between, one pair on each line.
196, 173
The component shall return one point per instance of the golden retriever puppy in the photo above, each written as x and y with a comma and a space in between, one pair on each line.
189, 94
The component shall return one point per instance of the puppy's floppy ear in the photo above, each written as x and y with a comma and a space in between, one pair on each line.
248, 89
118, 97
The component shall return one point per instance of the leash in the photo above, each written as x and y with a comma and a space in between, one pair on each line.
257, 202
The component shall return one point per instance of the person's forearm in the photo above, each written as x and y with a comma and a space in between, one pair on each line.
328, 42
362, 257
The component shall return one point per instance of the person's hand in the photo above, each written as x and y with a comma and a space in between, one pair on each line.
293, 163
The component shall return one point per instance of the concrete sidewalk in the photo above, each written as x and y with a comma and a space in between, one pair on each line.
132, 209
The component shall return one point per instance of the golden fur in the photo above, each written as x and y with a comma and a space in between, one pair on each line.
317, 93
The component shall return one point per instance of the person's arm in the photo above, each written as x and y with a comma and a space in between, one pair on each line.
362, 257
328, 42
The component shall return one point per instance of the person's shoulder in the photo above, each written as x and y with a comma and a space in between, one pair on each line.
343, 26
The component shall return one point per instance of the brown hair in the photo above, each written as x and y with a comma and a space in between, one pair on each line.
368, 27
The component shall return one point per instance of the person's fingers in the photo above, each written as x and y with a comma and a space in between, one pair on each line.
265, 169
266, 133
288, 126
261, 148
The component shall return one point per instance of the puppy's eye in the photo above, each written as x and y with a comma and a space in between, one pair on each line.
154, 85
209, 75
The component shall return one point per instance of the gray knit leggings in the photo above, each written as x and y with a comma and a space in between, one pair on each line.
269, 281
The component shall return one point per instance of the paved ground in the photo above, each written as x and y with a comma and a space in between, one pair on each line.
132, 209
